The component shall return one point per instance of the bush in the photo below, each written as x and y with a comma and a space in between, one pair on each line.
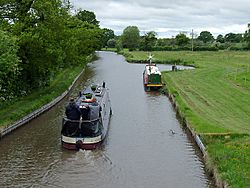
206, 48
170, 48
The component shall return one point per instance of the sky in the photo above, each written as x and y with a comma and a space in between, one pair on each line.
170, 17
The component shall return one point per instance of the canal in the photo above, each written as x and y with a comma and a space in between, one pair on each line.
140, 150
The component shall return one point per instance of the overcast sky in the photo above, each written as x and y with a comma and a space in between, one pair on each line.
169, 17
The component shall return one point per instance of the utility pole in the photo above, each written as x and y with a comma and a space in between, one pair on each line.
192, 42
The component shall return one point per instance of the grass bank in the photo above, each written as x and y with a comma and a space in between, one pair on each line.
215, 101
159, 58
13, 111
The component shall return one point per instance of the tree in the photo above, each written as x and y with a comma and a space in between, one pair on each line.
206, 36
233, 38
48, 39
87, 16
247, 36
239, 37
165, 42
118, 44
9, 66
42, 41
107, 35
15, 10
148, 41
220, 39
111, 43
182, 39
130, 37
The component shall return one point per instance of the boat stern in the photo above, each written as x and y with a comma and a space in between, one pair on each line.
75, 143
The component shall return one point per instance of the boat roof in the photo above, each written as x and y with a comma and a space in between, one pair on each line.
89, 93
152, 69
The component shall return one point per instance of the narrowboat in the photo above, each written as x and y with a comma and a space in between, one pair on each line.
88, 131
152, 76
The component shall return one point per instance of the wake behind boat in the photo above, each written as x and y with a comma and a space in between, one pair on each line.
87, 121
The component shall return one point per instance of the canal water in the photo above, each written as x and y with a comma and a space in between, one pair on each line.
145, 147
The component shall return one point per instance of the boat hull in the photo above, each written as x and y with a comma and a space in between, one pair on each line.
76, 143
70, 146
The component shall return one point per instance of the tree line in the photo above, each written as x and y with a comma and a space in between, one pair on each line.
131, 39
38, 39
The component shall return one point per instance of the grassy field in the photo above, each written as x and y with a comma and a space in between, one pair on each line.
215, 100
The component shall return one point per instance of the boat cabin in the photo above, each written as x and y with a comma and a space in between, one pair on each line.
152, 77
90, 122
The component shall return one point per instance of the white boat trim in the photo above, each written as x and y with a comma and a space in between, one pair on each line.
86, 140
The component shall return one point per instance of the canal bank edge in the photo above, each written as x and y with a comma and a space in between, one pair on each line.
196, 140
8, 129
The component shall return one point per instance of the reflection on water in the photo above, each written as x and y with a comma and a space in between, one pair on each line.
145, 146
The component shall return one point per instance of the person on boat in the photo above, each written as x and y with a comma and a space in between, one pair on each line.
94, 110
72, 110
85, 112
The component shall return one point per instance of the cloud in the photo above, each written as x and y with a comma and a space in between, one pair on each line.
169, 17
